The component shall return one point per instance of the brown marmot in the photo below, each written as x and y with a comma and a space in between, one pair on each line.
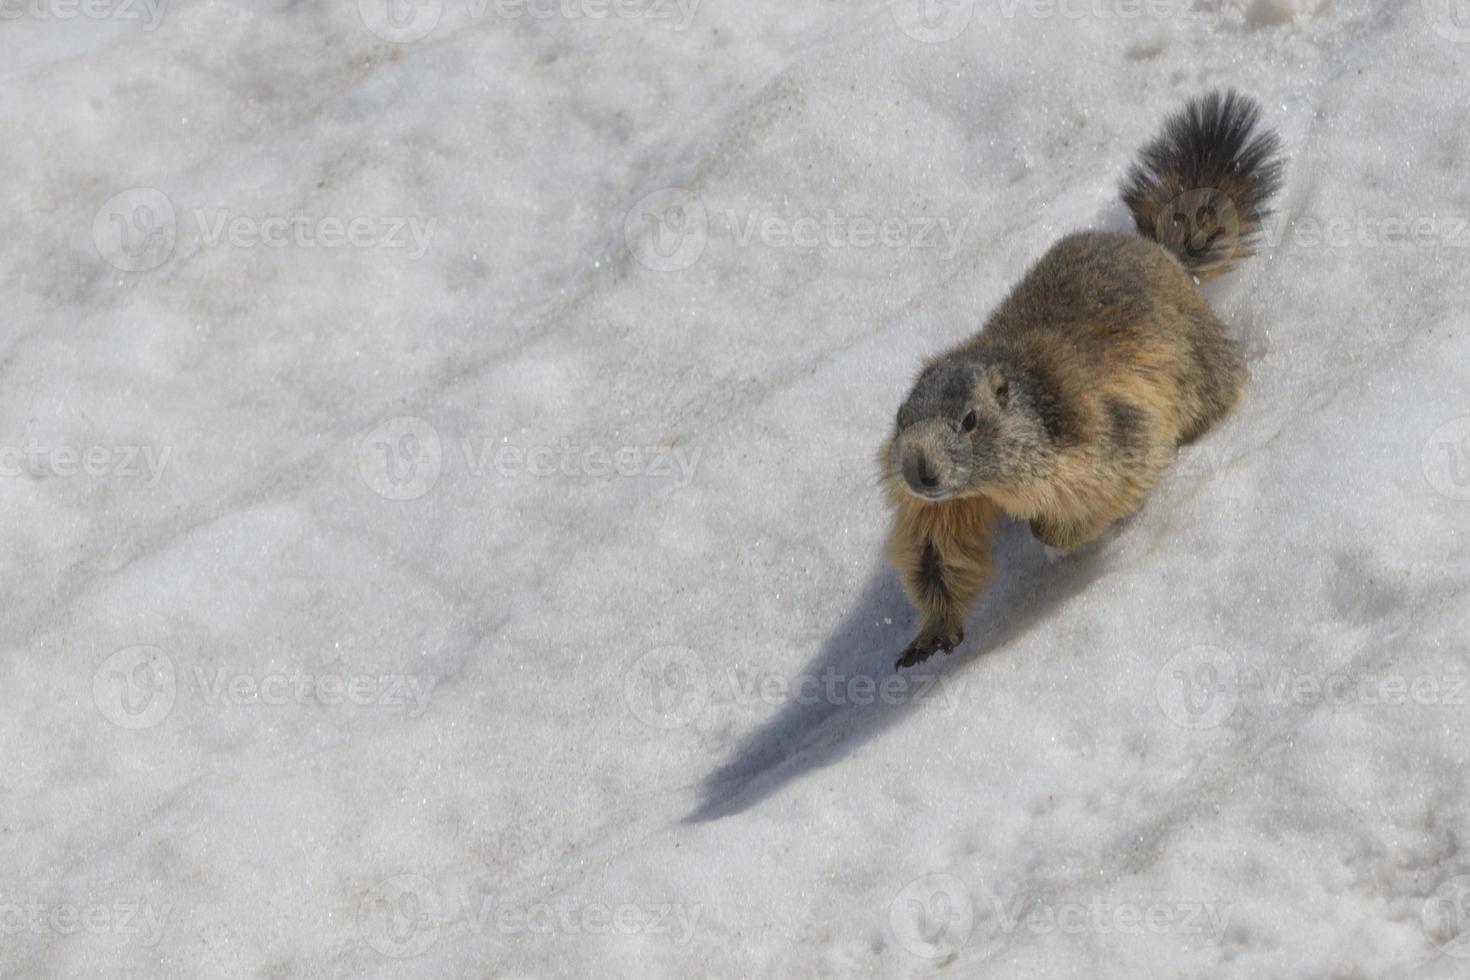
1064, 408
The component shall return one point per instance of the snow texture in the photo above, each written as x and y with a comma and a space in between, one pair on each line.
442, 535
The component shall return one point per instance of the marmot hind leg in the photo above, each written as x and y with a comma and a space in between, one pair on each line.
1216, 380
1232, 388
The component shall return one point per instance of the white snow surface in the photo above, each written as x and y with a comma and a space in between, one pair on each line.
498, 590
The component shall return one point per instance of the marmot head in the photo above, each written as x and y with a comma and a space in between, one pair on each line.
971, 422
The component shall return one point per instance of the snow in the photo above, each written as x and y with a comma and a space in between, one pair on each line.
442, 535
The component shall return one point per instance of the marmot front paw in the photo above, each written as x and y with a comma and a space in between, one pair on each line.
924, 645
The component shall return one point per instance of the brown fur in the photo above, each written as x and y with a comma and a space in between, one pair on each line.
1062, 411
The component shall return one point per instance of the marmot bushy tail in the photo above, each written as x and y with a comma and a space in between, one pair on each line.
1065, 408
1201, 187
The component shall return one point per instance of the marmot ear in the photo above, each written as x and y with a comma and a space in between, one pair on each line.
999, 387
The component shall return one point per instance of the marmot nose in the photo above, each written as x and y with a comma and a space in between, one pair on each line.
919, 471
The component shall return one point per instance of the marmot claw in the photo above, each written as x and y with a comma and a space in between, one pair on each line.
922, 648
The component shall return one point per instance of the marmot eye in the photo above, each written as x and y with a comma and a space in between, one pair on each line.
969, 422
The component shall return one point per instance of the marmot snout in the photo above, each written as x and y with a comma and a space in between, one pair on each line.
1067, 405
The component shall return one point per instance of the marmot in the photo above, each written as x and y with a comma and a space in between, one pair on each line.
1064, 408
